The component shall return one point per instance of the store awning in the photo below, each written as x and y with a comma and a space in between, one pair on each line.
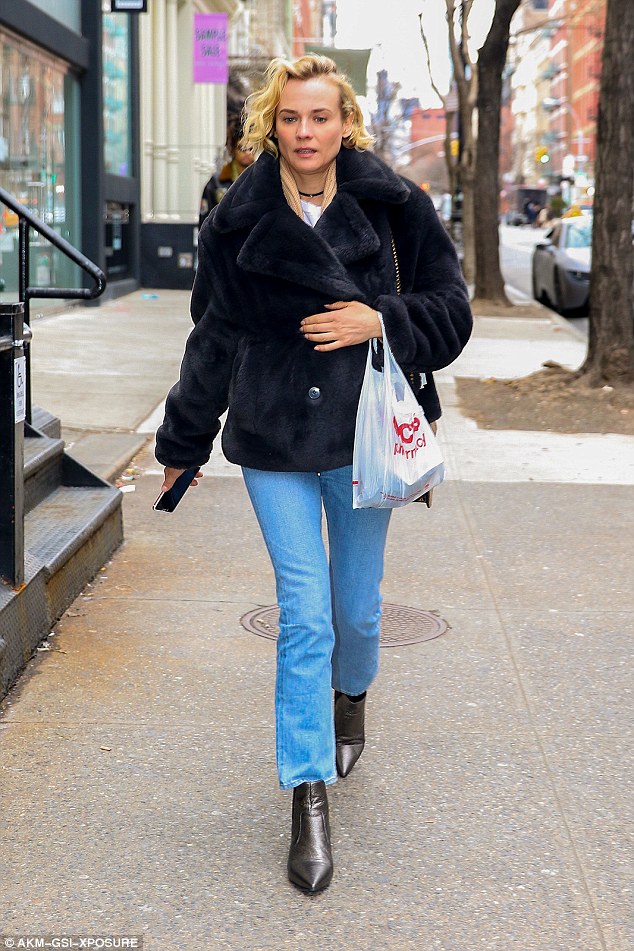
354, 63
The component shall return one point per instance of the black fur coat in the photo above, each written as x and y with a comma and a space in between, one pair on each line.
261, 269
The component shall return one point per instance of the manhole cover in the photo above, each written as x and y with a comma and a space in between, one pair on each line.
399, 625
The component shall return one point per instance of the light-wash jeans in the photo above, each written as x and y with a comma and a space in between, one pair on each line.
329, 612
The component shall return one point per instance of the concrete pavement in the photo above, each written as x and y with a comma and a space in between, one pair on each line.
492, 806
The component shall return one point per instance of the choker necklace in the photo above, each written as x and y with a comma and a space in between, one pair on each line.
314, 195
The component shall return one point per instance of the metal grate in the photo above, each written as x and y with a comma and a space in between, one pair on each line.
399, 625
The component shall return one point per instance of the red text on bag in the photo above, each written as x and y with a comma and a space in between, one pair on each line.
405, 432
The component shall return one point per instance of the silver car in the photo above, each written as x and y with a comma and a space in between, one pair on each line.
561, 265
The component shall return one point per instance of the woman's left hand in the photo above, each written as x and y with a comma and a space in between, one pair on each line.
342, 325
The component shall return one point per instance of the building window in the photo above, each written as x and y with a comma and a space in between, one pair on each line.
39, 158
116, 93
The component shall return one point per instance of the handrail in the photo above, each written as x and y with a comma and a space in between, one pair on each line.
26, 220
29, 219
15, 379
8, 343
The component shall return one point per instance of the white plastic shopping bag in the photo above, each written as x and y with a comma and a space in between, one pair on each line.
396, 456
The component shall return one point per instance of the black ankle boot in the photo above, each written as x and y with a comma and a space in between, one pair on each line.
349, 731
310, 857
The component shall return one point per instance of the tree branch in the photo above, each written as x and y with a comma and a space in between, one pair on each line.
456, 59
431, 77
466, 12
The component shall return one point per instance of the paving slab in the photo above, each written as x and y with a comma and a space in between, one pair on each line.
595, 783
551, 510
105, 454
148, 661
210, 548
535, 574
107, 367
508, 348
576, 670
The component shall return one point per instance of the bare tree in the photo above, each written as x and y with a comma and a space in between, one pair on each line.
610, 357
489, 283
449, 103
469, 75
466, 77
460, 168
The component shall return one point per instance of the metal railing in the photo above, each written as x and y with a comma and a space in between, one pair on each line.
15, 379
26, 292
12, 413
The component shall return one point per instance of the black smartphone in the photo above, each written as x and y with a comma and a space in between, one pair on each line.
167, 501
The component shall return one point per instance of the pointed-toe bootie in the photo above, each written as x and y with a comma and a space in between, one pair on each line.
310, 856
349, 731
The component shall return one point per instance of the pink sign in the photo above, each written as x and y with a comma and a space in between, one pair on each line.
210, 48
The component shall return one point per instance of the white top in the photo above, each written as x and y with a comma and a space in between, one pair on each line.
311, 213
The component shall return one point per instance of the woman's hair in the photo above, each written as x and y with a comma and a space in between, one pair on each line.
259, 109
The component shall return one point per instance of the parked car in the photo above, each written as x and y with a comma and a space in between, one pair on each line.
561, 265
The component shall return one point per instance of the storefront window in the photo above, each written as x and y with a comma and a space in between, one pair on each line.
39, 99
116, 93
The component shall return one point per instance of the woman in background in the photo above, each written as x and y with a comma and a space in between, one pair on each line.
217, 185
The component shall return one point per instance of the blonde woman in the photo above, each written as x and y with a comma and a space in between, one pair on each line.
295, 264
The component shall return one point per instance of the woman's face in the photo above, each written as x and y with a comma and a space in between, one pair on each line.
244, 157
309, 125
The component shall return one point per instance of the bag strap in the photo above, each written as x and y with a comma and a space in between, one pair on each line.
396, 267
411, 376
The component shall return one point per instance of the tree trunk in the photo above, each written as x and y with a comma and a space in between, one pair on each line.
451, 165
489, 283
610, 357
466, 79
468, 223
467, 90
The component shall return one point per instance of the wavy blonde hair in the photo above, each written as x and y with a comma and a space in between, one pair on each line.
260, 107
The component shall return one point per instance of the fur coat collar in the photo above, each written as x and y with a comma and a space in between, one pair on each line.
280, 245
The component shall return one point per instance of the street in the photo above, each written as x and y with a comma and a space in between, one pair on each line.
516, 251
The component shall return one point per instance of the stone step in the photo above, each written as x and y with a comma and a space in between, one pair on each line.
43, 467
45, 422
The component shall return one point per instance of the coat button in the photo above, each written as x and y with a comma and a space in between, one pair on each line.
314, 393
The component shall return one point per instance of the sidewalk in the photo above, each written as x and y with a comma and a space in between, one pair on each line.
492, 807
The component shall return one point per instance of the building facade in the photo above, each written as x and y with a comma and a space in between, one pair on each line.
184, 122
423, 159
556, 63
586, 27
69, 137
530, 86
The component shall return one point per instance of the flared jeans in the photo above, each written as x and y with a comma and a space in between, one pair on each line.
330, 607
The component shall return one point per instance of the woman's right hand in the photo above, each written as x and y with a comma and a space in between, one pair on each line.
171, 475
